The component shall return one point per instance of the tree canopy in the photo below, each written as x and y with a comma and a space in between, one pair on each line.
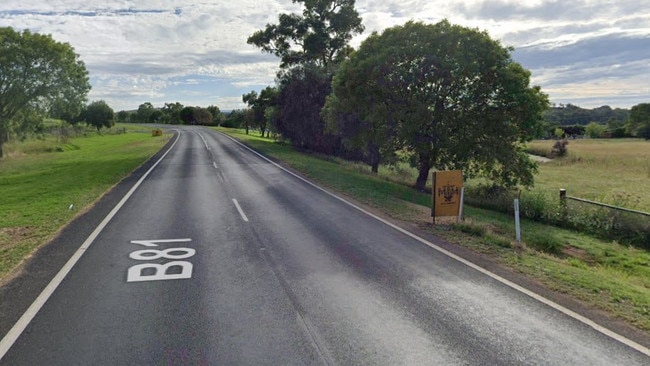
302, 93
98, 114
262, 107
320, 35
144, 113
37, 74
172, 113
639, 122
448, 95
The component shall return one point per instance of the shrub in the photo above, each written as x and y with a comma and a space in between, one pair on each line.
536, 206
491, 197
559, 149
595, 130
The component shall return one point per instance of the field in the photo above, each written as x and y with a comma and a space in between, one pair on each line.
601, 274
612, 171
46, 182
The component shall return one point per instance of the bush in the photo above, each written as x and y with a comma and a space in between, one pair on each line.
491, 197
559, 149
608, 223
595, 130
537, 206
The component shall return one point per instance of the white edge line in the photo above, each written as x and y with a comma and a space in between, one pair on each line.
241, 212
552, 304
35, 307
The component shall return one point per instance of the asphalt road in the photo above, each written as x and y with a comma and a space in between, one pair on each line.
220, 257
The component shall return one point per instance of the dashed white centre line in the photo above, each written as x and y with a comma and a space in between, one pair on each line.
214, 164
241, 212
205, 142
583, 319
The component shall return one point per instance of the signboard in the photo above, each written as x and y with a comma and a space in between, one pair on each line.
447, 187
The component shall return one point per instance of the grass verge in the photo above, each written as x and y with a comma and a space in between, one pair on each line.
41, 179
604, 275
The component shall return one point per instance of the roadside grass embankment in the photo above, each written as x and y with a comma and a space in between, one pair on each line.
41, 178
602, 274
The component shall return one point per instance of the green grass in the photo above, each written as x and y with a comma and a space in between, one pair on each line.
612, 171
40, 179
605, 275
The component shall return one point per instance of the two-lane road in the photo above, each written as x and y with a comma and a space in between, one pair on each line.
221, 257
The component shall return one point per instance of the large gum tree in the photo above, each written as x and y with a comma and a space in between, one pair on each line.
450, 96
37, 73
319, 35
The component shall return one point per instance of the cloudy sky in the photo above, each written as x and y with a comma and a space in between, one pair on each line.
585, 52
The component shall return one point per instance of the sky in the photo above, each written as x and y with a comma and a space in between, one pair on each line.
585, 52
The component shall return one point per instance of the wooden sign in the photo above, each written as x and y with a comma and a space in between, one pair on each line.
447, 187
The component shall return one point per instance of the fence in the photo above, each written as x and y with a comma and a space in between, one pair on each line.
631, 226
564, 197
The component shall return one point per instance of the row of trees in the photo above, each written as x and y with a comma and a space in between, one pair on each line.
599, 122
173, 113
446, 96
571, 114
99, 114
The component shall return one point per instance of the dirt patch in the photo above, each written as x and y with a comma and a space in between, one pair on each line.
540, 159
417, 214
578, 253
12, 235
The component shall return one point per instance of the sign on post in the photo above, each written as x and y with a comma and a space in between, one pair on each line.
447, 189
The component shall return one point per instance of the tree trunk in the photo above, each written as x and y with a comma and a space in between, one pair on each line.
423, 174
3, 139
375, 167
375, 157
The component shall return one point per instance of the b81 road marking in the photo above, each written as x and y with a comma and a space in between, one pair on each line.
173, 270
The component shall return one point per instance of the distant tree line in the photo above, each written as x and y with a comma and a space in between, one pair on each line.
570, 114
173, 113
601, 122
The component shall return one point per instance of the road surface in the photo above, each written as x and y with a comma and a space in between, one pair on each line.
219, 257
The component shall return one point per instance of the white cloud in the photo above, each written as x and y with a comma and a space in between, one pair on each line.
148, 50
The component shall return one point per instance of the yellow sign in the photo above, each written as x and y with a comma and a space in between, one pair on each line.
447, 187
